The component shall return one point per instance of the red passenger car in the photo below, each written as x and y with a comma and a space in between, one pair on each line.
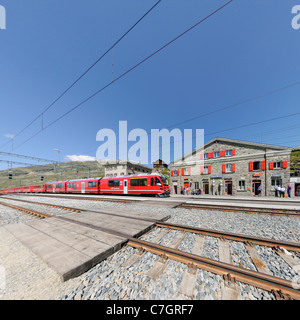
56, 187
83, 186
41, 188
153, 184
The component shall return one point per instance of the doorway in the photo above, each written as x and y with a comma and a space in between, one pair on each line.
125, 186
205, 188
82, 187
228, 187
297, 190
255, 186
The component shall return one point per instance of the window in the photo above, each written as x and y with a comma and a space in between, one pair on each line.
217, 154
152, 182
186, 171
277, 164
275, 182
205, 156
242, 185
113, 183
205, 169
256, 165
49, 186
157, 182
138, 182
92, 184
229, 167
71, 185
196, 185
228, 152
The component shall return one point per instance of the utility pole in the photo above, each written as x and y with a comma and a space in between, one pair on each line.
58, 150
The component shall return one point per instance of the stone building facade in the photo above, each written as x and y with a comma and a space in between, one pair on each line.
232, 167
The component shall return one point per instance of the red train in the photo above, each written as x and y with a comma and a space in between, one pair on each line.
144, 184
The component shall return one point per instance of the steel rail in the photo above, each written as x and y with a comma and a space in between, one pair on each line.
33, 212
271, 211
45, 204
293, 246
281, 287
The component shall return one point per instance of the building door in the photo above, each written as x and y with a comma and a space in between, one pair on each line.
175, 189
125, 186
205, 187
255, 186
82, 187
228, 187
297, 190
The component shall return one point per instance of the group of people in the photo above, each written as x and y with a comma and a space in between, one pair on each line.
186, 191
280, 191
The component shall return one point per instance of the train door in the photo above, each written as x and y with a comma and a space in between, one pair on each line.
82, 187
54, 185
125, 186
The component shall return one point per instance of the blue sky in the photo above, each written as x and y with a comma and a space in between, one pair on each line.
247, 49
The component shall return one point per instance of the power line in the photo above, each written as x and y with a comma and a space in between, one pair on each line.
25, 157
83, 74
129, 70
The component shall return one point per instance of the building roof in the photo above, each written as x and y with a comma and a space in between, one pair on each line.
124, 162
262, 146
158, 160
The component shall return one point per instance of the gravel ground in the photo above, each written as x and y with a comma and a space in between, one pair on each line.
28, 277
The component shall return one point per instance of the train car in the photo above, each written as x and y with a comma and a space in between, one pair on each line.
18, 190
27, 189
41, 188
56, 187
83, 186
147, 184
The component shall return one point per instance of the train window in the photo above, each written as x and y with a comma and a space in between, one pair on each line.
157, 182
152, 182
113, 183
49, 186
138, 182
92, 184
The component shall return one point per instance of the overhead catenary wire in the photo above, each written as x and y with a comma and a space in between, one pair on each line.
81, 76
128, 71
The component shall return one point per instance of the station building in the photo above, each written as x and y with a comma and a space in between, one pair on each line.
125, 167
232, 167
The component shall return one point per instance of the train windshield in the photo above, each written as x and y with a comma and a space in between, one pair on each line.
164, 180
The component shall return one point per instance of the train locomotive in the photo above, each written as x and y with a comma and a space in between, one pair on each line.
143, 184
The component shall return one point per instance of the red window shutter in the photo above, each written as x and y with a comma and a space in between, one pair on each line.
233, 167
223, 168
172, 173
190, 170
284, 164
271, 165
201, 170
233, 152
223, 153
251, 166
201, 156
182, 171
263, 165
209, 169
210, 155
177, 172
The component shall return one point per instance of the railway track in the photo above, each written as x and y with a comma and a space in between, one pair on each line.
281, 288
271, 211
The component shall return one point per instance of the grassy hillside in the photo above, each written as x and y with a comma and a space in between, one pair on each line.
25, 176
295, 161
